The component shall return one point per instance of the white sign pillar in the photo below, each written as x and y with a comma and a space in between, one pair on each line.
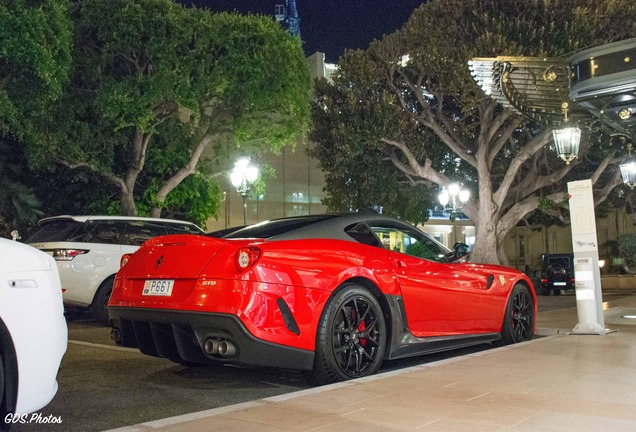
587, 273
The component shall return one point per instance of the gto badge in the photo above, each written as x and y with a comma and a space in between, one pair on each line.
208, 283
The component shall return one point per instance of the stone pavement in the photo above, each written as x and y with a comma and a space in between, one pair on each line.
556, 382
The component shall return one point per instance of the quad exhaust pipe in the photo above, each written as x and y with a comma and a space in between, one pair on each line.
219, 347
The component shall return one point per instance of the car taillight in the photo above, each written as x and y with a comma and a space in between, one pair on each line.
544, 280
67, 254
247, 257
124, 260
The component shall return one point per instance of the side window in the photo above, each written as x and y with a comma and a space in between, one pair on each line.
410, 242
362, 234
108, 232
138, 232
100, 231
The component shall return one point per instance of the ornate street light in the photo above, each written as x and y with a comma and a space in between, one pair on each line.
243, 176
453, 198
567, 141
628, 170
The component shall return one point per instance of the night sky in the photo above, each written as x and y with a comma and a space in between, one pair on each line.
330, 26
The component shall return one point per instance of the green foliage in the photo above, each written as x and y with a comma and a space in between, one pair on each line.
35, 58
160, 93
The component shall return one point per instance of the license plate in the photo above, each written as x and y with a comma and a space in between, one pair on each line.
559, 284
158, 287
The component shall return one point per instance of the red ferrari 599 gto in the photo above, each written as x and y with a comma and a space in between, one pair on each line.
333, 295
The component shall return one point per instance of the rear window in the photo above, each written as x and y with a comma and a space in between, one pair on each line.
275, 227
55, 231
562, 261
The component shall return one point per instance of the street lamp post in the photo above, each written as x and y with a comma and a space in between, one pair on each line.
452, 198
243, 176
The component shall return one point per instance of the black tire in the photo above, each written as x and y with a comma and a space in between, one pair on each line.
72, 313
2, 391
4, 403
556, 273
518, 323
351, 337
99, 308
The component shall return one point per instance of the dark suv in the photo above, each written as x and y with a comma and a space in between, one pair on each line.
557, 273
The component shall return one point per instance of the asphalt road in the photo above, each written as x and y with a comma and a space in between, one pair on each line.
102, 386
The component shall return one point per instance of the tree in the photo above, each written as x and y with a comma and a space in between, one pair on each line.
349, 115
506, 157
35, 58
156, 85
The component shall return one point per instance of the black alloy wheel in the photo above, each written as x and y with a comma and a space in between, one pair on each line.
351, 339
518, 325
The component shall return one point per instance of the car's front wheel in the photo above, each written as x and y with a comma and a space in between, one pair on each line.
518, 324
351, 337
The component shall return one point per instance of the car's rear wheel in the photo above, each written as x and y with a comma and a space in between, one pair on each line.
518, 325
351, 337
99, 308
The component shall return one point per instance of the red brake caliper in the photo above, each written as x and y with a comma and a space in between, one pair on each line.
361, 328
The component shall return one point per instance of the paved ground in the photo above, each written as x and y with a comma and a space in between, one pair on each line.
554, 383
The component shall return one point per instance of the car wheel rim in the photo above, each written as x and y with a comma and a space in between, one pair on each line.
356, 337
522, 316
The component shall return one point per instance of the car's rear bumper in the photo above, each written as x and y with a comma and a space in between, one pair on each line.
181, 337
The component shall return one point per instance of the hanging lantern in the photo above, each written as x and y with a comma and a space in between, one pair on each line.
628, 172
567, 141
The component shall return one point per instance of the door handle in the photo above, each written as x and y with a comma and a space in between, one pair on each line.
400, 264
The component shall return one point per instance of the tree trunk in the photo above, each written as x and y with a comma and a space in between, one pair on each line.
127, 202
137, 160
181, 174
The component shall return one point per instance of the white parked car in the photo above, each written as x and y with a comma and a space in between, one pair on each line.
33, 333
88, 250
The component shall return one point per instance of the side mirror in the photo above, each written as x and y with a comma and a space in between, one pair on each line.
460, 250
